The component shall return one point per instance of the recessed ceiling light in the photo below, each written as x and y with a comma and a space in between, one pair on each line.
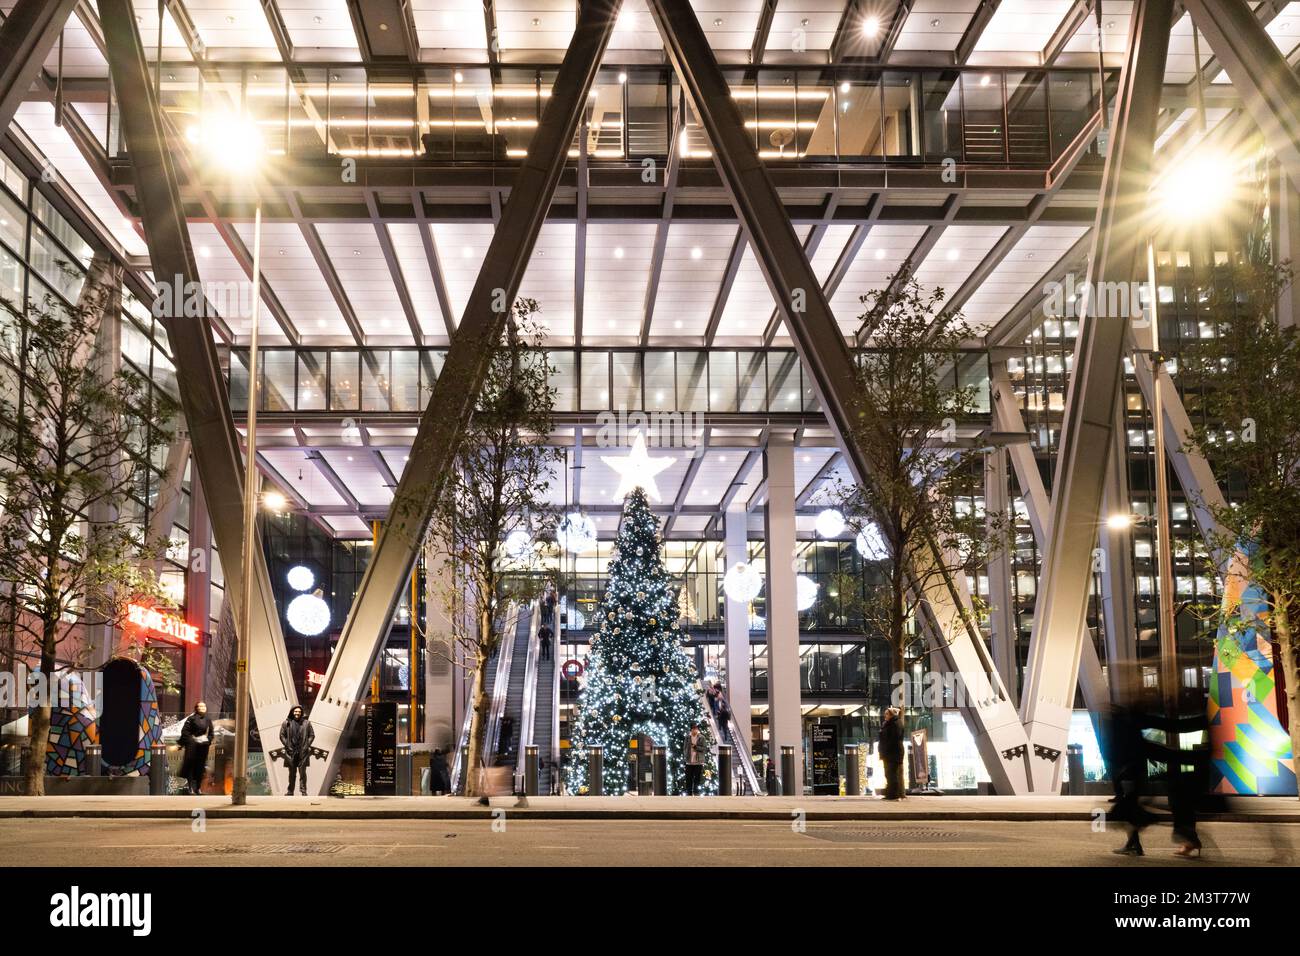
717, 21
677, 324
880, 253
466, 252
935, 22
383, 27
537, 22
1110, 24
618, 252
611, 323
315, 20
953, 254
985, 80
322, 323
204, 252
871, 26
622, 77
356, 252
459, 77
844, 87
230, 19
697, 252
349, 457
280, 252
804, 22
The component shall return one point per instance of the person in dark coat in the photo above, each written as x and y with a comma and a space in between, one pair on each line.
196, 738
544, 635
439, 773
297, 736
891, 752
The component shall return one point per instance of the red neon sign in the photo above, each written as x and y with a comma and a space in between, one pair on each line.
170, 626
315, 677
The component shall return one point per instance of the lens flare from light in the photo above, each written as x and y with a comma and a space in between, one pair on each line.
1197, 188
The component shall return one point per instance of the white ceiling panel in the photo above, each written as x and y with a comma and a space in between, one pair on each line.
750, 304
359, 262
289, 267
549, 279
695, 259
322, 27
359, 474
618, 268
67, 164
882, 254
461, 249
807, 23
1022, 26
312, 487
1023, 268
936, 24
414, 263
451, 25
234, 28
227, 286
956, 255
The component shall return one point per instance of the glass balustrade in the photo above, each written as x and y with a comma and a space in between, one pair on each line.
1013, 118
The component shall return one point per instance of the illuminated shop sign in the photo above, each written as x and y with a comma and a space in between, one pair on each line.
168, 626
315, 677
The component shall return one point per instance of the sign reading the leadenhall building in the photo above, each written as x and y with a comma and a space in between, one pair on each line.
381, 749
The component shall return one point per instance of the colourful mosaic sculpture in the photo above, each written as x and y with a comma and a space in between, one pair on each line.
1249, 747
150, 728
71, 729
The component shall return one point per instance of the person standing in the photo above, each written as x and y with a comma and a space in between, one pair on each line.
439, 775
723, 713
548, 605
196, 738
696, 747
544, 635
891, 752
297, 736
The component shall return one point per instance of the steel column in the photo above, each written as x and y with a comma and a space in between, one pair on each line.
27, 36
202, 388
1270, 91
454, 394
1004, 629
821, 347
1087, 433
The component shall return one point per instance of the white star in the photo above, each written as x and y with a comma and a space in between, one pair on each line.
638, 469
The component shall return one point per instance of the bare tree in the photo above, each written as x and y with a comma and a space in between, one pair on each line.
76, 443
497, 488
917, 512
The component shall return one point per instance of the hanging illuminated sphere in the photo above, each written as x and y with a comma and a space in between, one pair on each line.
742, 582
308, 614
871, 545
830, 523
300, 578
519, 544
576, 533
805, 594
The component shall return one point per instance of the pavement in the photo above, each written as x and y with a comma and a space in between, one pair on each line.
1274, 810
514, 840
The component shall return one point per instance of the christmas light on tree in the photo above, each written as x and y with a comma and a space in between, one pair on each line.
640, 680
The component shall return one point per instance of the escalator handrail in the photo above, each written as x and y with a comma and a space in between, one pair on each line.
501, 687
742, 766
557, 628
458, 762
528, 706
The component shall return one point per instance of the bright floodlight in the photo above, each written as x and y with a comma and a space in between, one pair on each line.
1119, 522
308, 614
301, 578
518, 544
1197, 188
576, 533
234, 143
742, 582
274, 501
871, 26
830, 523
805, 593
871, 545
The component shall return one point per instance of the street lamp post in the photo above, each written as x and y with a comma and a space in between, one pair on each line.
239, 790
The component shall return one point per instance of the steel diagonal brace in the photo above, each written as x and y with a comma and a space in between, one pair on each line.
452, 402
26, 39
821, 347
1087, 433
202, 389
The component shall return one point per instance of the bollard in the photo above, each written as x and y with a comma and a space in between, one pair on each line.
94, 760
852, 784
158, 770
790, 783
596, 770
661, 771
405, 770
464, 769
724, 770
1074, 765
530, 771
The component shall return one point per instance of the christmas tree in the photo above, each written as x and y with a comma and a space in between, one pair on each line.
639, 678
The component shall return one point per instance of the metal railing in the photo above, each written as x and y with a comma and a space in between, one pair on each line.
499, 688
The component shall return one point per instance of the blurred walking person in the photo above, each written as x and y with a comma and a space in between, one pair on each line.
196, 739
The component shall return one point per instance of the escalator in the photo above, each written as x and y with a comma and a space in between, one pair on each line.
539, 725
507, 730
744, 778
496, 684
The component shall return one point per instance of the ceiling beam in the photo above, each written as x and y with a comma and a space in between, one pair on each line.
326, 267
1065, 30
724, 288
279, 31
665, 221
762, 31
688, 479
435, 265
850, 43
395, 271
814, 485
979, 22
580, 235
